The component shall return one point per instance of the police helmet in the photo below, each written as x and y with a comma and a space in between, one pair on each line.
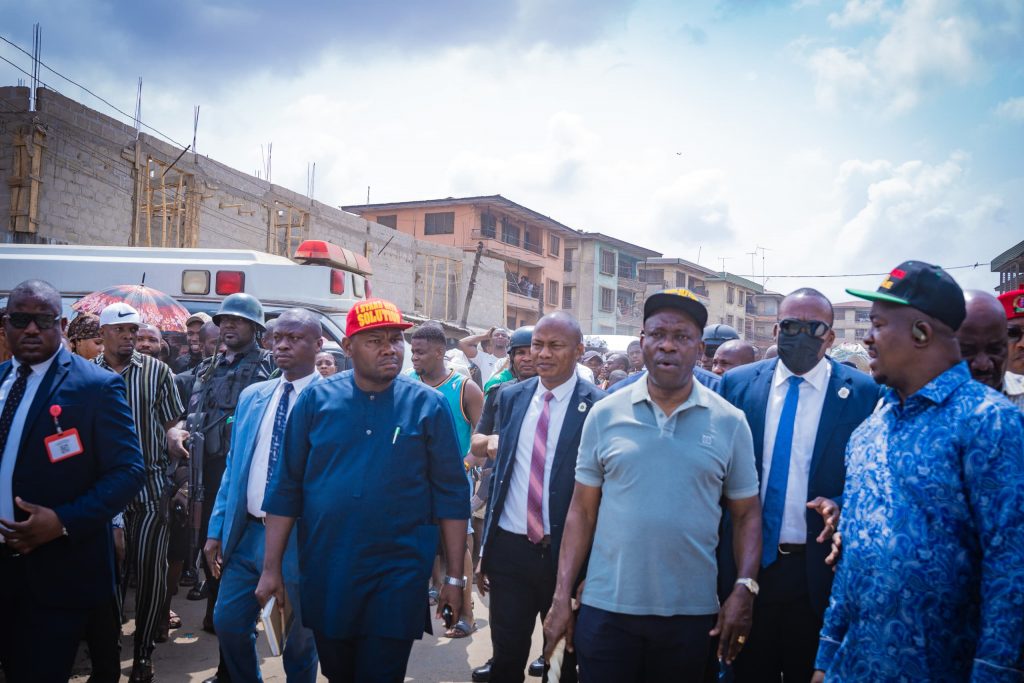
243, 306
523, 336
716, 335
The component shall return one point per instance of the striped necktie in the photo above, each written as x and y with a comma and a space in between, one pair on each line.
535, 499
280, 420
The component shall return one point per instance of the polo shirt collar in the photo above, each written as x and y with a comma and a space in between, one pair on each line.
639, 392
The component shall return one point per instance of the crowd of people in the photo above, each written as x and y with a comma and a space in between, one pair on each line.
680, 510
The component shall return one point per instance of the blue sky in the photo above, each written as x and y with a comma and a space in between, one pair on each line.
843, 136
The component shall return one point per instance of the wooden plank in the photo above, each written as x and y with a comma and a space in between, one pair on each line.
163, 209
179, 207
149, 206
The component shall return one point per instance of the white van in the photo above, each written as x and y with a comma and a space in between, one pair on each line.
328, 280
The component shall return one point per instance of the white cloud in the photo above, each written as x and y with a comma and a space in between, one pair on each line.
857, 12
927, 44
1012, 109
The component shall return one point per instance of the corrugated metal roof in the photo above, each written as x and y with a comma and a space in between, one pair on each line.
1010, 254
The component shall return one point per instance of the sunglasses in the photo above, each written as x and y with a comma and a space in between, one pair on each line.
44, 321
792, 327
1015, 333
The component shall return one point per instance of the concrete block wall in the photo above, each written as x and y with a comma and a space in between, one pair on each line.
87, 197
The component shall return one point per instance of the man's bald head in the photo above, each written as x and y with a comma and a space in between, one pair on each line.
983, 340
35, 289
733, 354
562, 320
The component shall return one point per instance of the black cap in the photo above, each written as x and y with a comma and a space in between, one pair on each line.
681, 300
923, 286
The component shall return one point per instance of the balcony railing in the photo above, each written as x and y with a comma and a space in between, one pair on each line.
531, 290
631, 284
533, 246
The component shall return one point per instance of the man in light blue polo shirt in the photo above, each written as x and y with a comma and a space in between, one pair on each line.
655, 462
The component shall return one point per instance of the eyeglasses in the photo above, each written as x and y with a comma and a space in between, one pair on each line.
1015, 333
43, 321
792, 327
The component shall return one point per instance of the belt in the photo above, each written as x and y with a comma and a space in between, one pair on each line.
254, 518
792, 548
543, 543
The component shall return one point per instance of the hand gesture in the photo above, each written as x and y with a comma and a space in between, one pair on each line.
41, 527
829, 511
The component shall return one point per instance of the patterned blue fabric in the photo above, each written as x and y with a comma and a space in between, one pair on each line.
778, 477
277, 436
931, 583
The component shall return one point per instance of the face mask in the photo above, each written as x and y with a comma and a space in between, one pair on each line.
799, 352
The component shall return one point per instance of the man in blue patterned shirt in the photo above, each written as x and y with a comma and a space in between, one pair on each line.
931, 581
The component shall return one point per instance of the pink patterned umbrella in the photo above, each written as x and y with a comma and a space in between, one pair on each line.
155, 307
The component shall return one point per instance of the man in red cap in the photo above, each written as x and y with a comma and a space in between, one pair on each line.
1013, 384
368, 455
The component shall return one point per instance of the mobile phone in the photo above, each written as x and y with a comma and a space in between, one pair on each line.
448, 614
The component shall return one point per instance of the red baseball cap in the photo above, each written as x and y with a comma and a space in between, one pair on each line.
374, 314
1013, 302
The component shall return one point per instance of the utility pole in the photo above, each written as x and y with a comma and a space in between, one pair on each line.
472, 283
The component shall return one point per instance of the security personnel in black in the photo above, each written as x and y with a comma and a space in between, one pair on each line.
219, 381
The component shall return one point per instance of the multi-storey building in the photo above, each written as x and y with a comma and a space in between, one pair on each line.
852, 320
602, 286
725, 295
1010, 266
762, 314
530, 244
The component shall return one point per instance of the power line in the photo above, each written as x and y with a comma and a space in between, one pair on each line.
79, 85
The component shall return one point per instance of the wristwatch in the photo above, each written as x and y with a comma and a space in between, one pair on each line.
454, 581
750, 585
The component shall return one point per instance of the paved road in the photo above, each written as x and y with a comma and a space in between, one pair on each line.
190, 656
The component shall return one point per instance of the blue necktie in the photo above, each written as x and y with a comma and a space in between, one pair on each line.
778, 477
280, 420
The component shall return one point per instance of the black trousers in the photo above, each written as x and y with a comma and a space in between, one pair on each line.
627, 648
522, 578
363, 660
783, 640
38, 642
103, 638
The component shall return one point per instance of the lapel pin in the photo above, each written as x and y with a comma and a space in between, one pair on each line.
844, 392
582, 407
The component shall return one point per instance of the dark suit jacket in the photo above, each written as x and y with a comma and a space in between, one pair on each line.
748, 387
515, 399
87, 490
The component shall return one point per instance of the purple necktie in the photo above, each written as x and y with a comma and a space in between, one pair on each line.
535, 499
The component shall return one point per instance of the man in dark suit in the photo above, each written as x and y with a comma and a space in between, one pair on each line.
534, 474
69, 461
801, 412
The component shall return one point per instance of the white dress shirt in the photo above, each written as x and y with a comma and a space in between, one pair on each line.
805, 432
513, 516
10, 454
257, 485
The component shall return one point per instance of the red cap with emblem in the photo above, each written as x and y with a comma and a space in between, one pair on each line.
1013, 302
374, 314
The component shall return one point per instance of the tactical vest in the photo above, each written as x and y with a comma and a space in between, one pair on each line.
215, 397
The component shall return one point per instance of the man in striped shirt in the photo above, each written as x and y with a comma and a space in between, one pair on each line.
156, 407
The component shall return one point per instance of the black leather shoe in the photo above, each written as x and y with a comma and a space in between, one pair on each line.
537, 668
482, 674
211, 679
188, 578
198, 592
142, 670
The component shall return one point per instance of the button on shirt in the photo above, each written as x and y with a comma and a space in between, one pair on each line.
257, 485
805, 432
10, 455
929, 586
513, 517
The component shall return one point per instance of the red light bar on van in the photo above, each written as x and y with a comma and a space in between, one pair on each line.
322, 252
230, 281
